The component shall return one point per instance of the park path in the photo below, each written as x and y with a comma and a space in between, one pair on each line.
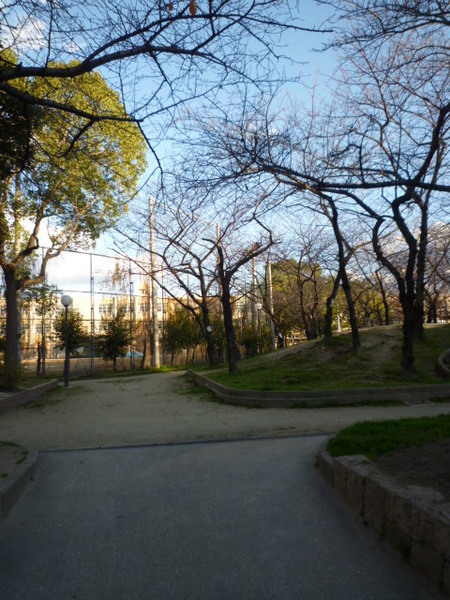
241, 520
165, 408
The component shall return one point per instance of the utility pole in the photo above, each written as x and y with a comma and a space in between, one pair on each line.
270, 301
17, 195
154, 294
130, 300
91, 358
254, 295
219, 287
44, 299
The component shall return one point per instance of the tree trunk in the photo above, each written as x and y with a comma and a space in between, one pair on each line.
38, 366
210, 344
327, 331
328, 321
432, 309
44, 356
379, 279
233, 353
280, 340
343, 260
405, 284
12, 364
141, 366
386, 308
211, 349
303, 314
356, 341
419, 312
313, 315
408, 357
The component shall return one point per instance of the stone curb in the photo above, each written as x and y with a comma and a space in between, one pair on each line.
14, 485
279, 399
413, 520
24, 396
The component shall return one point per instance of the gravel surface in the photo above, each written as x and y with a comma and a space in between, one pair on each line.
165, 408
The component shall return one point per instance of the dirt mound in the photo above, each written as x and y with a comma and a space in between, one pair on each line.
428, 466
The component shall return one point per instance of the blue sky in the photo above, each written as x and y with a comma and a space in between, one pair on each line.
300, 46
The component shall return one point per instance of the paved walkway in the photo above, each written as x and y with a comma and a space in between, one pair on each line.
162, 408
206, 520
235, 520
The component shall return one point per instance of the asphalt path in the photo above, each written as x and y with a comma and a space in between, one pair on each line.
218, 520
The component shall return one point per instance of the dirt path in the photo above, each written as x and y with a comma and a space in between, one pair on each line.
163, 408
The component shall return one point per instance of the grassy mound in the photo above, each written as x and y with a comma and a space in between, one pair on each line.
320, 366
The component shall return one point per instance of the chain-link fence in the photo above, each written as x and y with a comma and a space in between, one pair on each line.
99, 285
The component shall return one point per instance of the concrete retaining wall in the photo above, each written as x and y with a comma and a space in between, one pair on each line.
408, 394
25, 396
413, 520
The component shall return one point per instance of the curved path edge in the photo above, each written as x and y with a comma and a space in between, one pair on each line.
11, 400
290, 399
13, 486
413, 520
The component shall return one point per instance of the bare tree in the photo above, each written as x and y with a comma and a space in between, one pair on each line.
201, 255
187, 261
228, 265
265, 148
300, 278
152, 52
396, 143
437, 273
382, 19
383, 157
377, 282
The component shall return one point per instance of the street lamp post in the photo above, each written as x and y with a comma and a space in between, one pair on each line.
66, 301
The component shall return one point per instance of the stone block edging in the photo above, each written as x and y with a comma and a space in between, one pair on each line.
14, 485
413, 520
25, 396
283, 399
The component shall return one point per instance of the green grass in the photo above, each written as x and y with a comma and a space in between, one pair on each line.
335, 365
9, 445
53, 396
373, 439
128, 373
29, 381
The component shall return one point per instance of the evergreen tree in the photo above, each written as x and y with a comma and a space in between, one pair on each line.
77, 333
113, 343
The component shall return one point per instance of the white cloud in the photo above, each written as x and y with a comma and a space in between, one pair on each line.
24, 32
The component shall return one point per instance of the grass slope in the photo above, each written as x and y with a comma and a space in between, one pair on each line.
321, 366
373, 439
